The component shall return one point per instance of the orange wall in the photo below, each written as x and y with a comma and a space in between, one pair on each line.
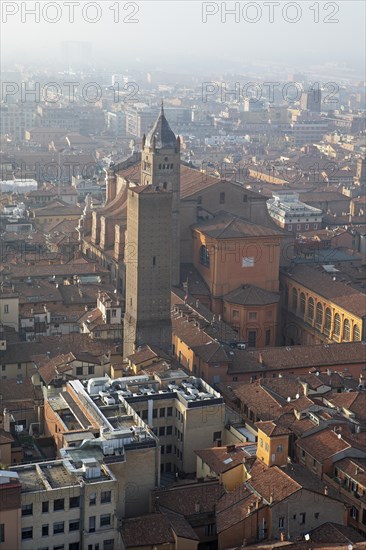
226, 273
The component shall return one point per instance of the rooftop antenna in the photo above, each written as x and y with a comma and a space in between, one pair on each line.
162, 107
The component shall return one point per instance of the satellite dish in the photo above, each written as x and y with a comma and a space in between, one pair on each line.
339, 436
288, 399
307, 537
297, 396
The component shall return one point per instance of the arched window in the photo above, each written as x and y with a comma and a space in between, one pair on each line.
204, 256
319, 315
302, 304
346, 330
337, 324
294, 299
328, 320
356, 333
311, 310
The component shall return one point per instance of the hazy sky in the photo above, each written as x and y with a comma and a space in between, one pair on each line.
172, 35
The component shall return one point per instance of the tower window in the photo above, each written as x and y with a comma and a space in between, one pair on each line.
171, 166
204, 256
165, 185
154, 260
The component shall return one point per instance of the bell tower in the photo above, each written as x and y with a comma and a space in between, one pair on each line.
160, 167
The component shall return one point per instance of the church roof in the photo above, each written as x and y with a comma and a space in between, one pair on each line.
163, 134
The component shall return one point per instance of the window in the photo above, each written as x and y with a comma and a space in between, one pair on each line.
337, 325
316, 515
267, 338
235, 378
356, 333
74, 502
252, 338
247, 261
44, 530
266, 447
154, 261
92, 524
252, 315
279, 448
353, 513
162, 412
315, 226
294, 299
58, 527
311, 310
281, 522
306, 226
169, 411
27, 533
169, 430
74, 525
222, 198
6, 308
106, 496
161, 431
92, 499
302, 303
245, 198
168, 449
235, 314
298, 227
319, 315
216, 436
76, 546
155, 413
79, 371
58, 504
90, 370
261, 442
105, 519
144, 414
27, 510
199, 199
204, 256
59, 547
45, 507
346, 330
302, 518
2, 532
289, 228
108, 544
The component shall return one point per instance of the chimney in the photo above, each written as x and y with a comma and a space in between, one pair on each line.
6, 420
260, 359
257, 504
197, 303
271, 498
230, 448
306, 389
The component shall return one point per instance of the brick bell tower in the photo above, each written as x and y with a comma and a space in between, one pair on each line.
152, 254
160, 167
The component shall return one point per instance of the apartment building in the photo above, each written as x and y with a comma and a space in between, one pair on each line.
67, 505
293, 215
